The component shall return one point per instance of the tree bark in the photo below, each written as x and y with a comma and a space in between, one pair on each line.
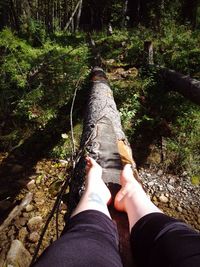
105, 141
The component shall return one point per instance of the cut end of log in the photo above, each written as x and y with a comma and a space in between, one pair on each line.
98, 74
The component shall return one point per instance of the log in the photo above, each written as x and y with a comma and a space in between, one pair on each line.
105, 141
183, 84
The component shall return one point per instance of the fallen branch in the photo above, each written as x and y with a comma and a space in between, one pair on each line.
70, 20
16, 211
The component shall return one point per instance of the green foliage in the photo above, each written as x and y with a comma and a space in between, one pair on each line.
35, 83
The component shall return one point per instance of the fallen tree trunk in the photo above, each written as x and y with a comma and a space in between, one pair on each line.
183, 84
105, 141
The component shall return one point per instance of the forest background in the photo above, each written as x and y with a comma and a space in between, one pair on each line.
45, 56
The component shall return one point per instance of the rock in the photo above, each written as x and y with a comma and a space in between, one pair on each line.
11, 232
34, 237
21, 221
171, 205
22, 234
172, 180
35, 223
25, 215
179, 209
17, 168
18, 255
29, 207
184, 173
150, 183
31, 185
160, 172
170, 188
163, 199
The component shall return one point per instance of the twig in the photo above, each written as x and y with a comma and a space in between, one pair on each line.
71, 121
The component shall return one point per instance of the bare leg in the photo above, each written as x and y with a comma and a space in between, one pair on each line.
96, 195
132, 199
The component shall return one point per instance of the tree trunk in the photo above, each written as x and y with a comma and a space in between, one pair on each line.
125, 8
79, 15
184, 84
72, 17
105, 141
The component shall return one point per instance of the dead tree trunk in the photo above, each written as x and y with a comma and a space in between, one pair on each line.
183, 84
105, 141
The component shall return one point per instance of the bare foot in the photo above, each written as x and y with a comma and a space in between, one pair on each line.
132, 199
94, 180
130, 186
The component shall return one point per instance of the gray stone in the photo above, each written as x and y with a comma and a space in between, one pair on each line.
163, 199
170, 188
172, 180
179, 209
160, 172
35, 223
18, 255
150, 183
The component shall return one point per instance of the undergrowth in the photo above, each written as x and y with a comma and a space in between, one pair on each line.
36, 82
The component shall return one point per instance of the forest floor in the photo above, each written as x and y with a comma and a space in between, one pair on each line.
175, 195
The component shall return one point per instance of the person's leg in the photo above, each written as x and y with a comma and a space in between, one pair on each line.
96, 195
90, 237
132, 199
156, 239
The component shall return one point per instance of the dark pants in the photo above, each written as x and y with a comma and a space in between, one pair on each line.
91, 239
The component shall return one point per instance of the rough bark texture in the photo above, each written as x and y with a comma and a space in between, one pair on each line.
184, 84
104, 140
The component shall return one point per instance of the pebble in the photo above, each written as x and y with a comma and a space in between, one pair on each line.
35, 223
163, 199
172, 180
170, 188
150, 183
29, 207
179, 209
34, 237
31, 185
160, 172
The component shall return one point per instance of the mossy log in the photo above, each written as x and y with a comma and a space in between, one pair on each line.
105, 141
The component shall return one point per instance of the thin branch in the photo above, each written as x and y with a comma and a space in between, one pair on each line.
71, 121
